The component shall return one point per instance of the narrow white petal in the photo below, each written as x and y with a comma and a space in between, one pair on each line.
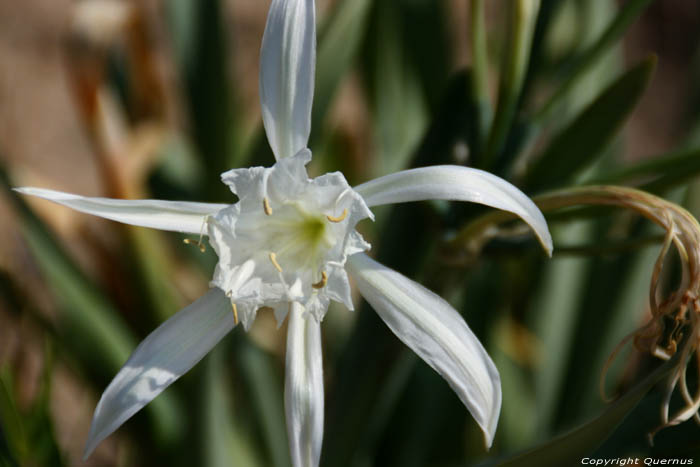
455, 183
165, 355
437, 333
288, 63
303, 388
178, 216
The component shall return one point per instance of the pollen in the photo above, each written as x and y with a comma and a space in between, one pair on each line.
340, 218
322, 283
266, 207
273, 260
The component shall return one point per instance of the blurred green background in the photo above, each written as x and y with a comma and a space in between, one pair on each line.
157, 98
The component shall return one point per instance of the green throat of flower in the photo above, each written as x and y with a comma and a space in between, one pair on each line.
312, 230
300, 239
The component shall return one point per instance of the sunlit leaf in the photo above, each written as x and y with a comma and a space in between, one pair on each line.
628, 13
581, 143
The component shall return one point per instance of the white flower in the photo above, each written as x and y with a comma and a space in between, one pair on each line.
287, 239
289, 244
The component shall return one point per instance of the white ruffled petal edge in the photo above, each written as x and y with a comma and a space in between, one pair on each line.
455, 183
165, 355
437, 333
287, 72
177, 216
303, 388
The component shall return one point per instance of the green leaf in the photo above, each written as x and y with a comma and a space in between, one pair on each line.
398, 102
555, 314
569, 448
656, 174
265, 388
480, 73
630, 11
522, 27
201, 47
13, 442
517, 425
619, 313
42, 439
339, 42
225, 442
383, 408
580, 144
90, 327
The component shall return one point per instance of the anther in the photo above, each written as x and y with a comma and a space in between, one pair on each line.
199, 242
266, 207
189, 241
341, 218
322, 283
273, 260
235, 313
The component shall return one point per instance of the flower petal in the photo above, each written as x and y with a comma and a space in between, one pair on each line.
303, 388
178, 216
165, 355
455, 183
288, 63
437, 333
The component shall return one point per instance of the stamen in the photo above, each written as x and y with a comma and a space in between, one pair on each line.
338, 219
273, 260
266, 207
189, 241
235, 313
199, 242
322, 283
229, 294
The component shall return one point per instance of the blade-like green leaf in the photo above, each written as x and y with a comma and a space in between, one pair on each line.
569, 448
13, 442
517, 426
339, 41
266, 396
629, 12
398, 102
6, 458
582, 142
480, 73
201, 48
555, 314
656, 174
563, 30
90, 327
621, 316
224, 441
522, 27
383, 408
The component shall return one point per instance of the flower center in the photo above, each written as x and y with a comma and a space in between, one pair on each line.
298, 238
286, 239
